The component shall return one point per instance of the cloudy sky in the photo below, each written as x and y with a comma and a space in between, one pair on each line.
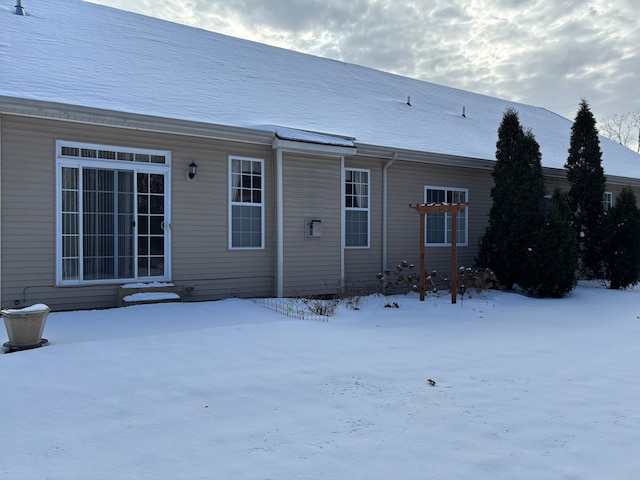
549, 53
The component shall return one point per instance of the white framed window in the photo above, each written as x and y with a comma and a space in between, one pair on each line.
356, 205
113, 214
438, 225
246, 203
607, 200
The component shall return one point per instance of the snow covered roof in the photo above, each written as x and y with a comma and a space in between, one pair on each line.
310, 137
82, 54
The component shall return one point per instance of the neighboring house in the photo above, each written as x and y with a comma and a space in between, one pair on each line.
305, 166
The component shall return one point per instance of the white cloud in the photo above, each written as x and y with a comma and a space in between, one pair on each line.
546, 53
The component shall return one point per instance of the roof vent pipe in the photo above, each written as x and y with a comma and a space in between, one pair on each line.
19, 8
464, 112
409, 101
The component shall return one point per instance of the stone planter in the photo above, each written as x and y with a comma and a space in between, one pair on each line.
25, 326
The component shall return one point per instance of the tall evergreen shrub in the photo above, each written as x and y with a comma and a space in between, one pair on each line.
622, 244
554, 259
517, 211
587, 186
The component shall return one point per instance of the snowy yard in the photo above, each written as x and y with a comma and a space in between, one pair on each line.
525, 389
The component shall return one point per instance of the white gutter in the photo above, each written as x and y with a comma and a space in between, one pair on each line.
279, 227
385, 186
131, 121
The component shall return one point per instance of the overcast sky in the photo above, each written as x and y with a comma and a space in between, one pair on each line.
549, 53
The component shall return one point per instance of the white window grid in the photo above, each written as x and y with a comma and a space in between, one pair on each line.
438, 225
246, 203
357, 207
74, 157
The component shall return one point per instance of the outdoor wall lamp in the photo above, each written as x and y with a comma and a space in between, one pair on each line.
193, 169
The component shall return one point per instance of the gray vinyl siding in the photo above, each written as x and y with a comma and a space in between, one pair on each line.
406, 186
406, 182
615, 189
203, 265
312, 185
551, 182
363, 264
612, 185
28, 213
200, 255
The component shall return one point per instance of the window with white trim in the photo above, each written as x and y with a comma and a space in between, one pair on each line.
113, 214
438, 225
246, 202
356, 204
607, 200
548, 199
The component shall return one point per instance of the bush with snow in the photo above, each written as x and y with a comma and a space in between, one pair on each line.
405, 279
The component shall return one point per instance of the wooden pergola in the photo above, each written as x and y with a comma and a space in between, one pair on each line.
453, 209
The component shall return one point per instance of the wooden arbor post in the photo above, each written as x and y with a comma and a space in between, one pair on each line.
453, 209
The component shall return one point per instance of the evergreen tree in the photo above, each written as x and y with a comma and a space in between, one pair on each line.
622, 257
554, 259
587, 185
518, 202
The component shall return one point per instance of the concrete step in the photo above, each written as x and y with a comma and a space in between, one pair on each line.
146, 293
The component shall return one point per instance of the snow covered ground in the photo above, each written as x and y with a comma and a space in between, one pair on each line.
525, 389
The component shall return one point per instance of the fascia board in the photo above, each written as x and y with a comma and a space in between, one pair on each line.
109, 118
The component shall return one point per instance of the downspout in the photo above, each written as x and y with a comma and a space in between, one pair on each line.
279, 227
0, 208
19, 9
342, 220
385, 194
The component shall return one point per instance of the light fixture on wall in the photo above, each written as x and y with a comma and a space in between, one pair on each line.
193, 169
